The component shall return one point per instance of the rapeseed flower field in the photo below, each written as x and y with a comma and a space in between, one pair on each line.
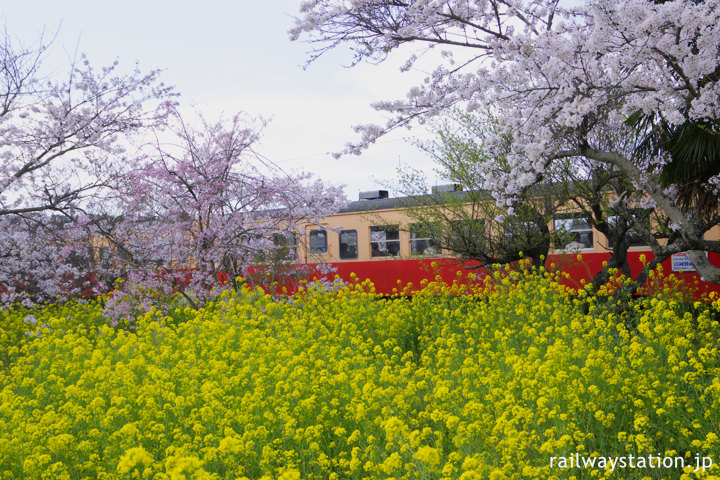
517, 378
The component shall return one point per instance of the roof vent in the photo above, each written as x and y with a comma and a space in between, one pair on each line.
373, 195
450, 187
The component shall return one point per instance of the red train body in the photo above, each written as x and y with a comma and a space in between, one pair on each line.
389, 276
349, 242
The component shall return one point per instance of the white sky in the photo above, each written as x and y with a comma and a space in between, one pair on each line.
230, 56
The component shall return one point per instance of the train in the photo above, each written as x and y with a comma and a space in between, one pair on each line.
372, 238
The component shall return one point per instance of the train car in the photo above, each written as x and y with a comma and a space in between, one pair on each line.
373, 238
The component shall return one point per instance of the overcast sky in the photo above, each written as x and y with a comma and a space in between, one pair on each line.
229, 56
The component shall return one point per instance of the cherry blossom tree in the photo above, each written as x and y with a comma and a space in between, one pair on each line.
82, 202
205, 208
44, 259
466, 221
590, 189
557, 78
63, 142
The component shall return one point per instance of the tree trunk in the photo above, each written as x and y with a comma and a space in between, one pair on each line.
709, 272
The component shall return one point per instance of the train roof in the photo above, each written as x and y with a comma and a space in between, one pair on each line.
403, 202
441, 194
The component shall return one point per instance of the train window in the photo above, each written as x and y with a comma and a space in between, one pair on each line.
575, 231
104, 257
424, 239
518, 231
318, 241
625, 227
286, 243
384, 241
348, 244
467, 236
524, 235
